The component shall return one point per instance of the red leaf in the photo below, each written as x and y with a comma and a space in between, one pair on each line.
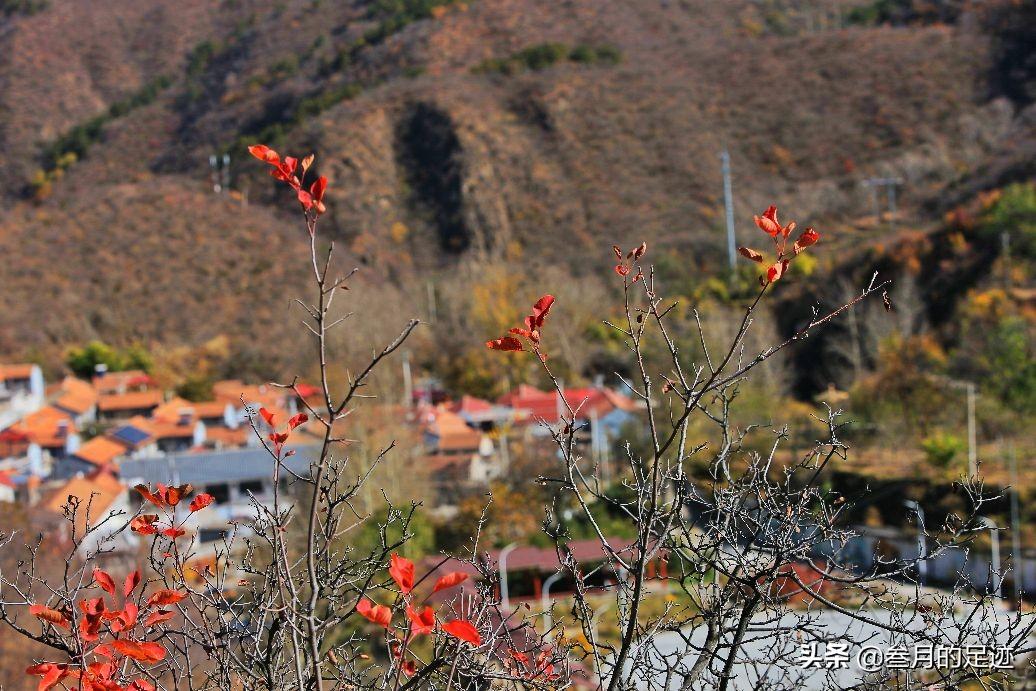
279, 438
463, 630
409, 667
540, 310
750, 254
617, 251
622, 270
126, 619
768, 221
422, 621
144, 524
640, 251
201, 501
264, 154
266, 415
305, 199
402, 572
52, 675
146, 492
379, 614
142, 652
161, 598
297, 420
775, 272
173, 533
131, 583
140, 685
808, 237
157, 617
449, 581
509, 343
105, 581
317, 188
173, 495
50, 615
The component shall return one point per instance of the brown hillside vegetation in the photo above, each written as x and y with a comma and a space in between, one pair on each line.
452, 133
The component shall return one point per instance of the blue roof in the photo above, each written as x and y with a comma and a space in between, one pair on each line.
130, 434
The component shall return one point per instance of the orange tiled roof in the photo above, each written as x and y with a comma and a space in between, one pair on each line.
100, 451
227, 437
132, 400
48, 427
453, 432
76, 396
171, 410
102, 484
161, 429
233, 390
16, 371
114, 382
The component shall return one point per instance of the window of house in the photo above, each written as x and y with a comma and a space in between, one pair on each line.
253, 486
220, 492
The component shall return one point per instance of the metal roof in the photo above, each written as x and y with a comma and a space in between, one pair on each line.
212, 467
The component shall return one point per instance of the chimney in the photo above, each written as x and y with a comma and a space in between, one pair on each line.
100, 369
62, 428
184, 416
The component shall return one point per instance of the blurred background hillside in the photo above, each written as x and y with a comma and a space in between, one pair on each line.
482, 153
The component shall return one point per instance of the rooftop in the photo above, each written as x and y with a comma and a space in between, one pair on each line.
210, 467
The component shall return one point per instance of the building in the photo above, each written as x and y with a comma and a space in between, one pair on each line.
233, 478
114, 407
22, 391
96, 498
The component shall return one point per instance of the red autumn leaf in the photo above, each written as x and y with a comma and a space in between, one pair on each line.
131, 583
508, 343
140, 685
201, 501
775, 272
297, 420
126, 619
622, 270
409, 667
808, 237
173, 533
105, 581
266, 415
768, 222
305, 199
316, 191
463, 630
142, 652
146, 492
617, 251
157, 617
173, 495
52, 675
449, 581
92, 606
640, 251
307, 162
422, 621
379, 614
162, 598
402, 571
264, 154
540, 310
49, 615
278, 438
750, 254
144, 524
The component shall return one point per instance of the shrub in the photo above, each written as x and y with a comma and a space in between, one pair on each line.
942, 449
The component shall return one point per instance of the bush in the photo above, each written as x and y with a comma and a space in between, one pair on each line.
1014, 212
941, 449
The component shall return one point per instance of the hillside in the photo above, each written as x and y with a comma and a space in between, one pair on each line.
455, 134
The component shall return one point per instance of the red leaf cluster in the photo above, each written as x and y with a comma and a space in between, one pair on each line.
625, 266
530, 332
769, 224
107, 671
284, 169
278, 439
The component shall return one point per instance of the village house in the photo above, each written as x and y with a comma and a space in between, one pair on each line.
101, 508
233, 478
22, 391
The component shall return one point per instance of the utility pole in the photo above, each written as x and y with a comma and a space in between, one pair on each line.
972, 441
890, 194
1017, 561
728, 201
408, 382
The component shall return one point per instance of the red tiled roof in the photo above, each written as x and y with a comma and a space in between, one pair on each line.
100, 451
545, 405
16, 371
